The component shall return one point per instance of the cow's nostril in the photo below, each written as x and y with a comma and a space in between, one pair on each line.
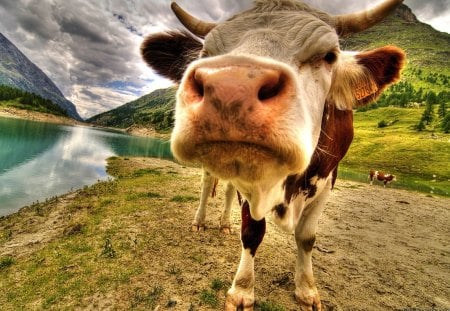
271, 89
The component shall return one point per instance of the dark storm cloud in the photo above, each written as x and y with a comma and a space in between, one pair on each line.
77, 27
90, 49
92, 96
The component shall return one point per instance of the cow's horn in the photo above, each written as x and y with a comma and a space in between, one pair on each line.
356, 22
193, 24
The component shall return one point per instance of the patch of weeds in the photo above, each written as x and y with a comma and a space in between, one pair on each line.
39, 209
150, 298
268, 306
208, 297
108, 250
74, 229
146, 171
183, 198
218, 284
197, 258
173, 270
5, 262
152, 195
6, 235
171, 303
105, 202
100, 189
147, 195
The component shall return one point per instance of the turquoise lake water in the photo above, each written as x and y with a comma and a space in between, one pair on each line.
40, 160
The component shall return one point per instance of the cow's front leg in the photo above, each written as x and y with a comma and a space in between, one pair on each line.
241, 294
306, 291
207, 186
230, 194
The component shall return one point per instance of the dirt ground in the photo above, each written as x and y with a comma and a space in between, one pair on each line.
376, 249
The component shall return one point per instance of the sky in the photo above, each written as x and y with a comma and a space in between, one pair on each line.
90, 49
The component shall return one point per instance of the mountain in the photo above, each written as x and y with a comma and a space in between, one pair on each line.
427, 50
154, 109
17, 71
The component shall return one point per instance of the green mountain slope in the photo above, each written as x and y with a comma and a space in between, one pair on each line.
16, 98
427, 50
152, 110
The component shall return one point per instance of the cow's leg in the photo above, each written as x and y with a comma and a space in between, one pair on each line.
241, 294
305, 235
230, 194
207, 187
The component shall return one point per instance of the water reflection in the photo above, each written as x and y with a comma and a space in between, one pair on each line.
38, 162
22, 141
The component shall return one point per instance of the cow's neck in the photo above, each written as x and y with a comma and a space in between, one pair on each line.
335, 139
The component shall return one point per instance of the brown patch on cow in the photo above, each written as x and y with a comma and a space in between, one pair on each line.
252, 231
280, 209
308, 244
384, 65
170, 53
335, 139
245, 281
214, 192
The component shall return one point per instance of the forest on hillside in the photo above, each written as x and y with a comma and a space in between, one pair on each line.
16, 98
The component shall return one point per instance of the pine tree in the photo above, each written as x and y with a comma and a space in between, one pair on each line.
442, 111
445, 124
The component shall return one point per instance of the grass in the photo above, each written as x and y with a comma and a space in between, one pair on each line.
268, 306
98, 251
418, 159
6, 261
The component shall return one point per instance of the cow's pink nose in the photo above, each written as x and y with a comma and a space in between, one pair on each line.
239, 87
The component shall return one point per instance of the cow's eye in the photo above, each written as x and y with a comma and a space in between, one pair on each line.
330, 57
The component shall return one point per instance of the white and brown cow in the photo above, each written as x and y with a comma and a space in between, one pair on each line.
381, 176
265, 102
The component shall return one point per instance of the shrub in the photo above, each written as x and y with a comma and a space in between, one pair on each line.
382, 124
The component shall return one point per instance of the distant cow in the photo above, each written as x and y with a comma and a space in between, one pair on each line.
265, 102
384, 177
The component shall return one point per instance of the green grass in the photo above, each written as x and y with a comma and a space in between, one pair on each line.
6, 261
183, 198
268, 306
420, 160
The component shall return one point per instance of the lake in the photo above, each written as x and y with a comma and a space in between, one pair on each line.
40, 160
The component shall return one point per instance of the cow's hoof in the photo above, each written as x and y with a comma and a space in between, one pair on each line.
225, 230
309, 301
197, 228
236, 302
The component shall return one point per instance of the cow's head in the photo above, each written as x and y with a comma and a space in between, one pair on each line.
252, 96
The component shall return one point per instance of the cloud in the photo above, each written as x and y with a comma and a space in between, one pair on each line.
90, 49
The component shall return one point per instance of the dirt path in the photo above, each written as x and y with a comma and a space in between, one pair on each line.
377, 249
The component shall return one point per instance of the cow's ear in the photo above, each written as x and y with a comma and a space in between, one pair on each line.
169, 53
360, 78
384, 66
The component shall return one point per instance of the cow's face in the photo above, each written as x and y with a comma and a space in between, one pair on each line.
250, 108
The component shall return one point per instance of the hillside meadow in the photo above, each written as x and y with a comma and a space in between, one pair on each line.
420, 160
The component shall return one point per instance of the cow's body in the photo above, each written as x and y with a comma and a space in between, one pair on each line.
268, 107
381, 176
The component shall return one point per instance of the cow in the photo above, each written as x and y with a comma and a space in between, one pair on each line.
265, 101
384, 177
208, 188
